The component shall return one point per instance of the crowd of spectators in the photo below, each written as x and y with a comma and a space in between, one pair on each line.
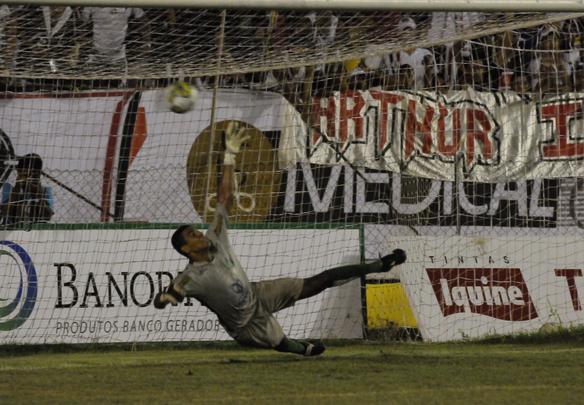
49, 41
543, 59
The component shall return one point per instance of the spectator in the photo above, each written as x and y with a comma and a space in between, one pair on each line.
578, 82
416, 58
291, 81
28, 201
571, 40
8, 39
549, 70
110, 26
521, 84
433, 80
165, 28
56, 43
248, 33
502, 61
445, 25
404, 78
324, 29
525, 41
354, 75
484, 76
323, 32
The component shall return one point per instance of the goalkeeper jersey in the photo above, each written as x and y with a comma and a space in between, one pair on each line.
222, 285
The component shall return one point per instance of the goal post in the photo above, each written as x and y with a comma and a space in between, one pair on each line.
454, 133
336, 5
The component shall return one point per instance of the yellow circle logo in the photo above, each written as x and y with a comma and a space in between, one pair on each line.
257, 177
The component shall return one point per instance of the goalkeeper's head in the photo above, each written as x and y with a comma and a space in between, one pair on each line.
192, 244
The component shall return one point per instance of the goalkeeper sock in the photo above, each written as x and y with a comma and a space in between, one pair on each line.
350, 272
340, 275
300, 347
385, 263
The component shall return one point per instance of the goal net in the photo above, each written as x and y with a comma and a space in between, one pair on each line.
453, 135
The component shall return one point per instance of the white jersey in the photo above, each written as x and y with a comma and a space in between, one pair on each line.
54, 28
221, 285
110, 25
5, 12
534, 68
415, 60
446, 25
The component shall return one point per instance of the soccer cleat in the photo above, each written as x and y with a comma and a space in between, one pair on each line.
398, 256
314, 349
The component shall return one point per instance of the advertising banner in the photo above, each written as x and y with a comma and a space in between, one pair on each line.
472, 287
477, 136
340, 193
97, 286
125, 155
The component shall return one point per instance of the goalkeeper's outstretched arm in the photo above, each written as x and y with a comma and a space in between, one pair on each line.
234, 139
225, 191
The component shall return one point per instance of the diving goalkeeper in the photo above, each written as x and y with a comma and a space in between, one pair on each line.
216, 279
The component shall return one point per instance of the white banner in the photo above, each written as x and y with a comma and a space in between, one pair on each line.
79, 137
170, 141
473, 287
86, 286
73, 134
486, 137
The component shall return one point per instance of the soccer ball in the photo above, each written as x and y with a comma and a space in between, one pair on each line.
181, 97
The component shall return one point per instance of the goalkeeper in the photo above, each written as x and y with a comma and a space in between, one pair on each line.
215, 277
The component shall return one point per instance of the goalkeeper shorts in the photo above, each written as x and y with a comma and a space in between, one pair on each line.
263, 330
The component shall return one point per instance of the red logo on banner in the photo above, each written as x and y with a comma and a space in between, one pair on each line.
427, 128
498, 293
339, 120
461, 127
566, 141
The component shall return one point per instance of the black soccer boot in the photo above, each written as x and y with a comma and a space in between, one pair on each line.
315, 348
397, 257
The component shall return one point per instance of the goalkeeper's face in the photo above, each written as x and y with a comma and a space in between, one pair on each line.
197, 245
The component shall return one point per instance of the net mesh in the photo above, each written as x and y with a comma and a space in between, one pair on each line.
93, 43
331, 102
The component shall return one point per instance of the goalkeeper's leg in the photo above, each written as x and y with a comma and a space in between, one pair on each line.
339, 275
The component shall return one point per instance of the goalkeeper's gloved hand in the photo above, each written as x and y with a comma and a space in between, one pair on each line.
173, 295
234, 138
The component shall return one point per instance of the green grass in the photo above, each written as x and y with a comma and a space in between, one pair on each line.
353, 372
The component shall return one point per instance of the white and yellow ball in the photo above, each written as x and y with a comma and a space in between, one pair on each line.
181, 97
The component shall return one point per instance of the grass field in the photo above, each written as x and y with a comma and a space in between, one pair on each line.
354, 372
